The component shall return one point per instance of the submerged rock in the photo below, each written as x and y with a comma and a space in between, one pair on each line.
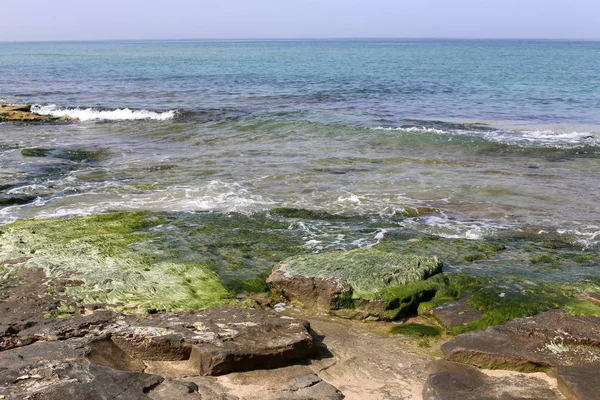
456, 313
66, 154
359, 283
22, 113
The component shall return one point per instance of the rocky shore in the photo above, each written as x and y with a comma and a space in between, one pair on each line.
23, 114
170, 306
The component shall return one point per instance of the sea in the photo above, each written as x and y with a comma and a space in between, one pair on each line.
455, 138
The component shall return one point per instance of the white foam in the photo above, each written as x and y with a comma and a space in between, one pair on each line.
89, 114
412, 129
544, 137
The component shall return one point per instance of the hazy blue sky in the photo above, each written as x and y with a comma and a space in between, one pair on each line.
153, 19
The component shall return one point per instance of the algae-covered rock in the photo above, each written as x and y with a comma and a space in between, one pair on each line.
363, 282
151, 261
98, 251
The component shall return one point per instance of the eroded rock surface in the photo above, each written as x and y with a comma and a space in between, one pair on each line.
106, 354
580, 382
452, 381
530, 344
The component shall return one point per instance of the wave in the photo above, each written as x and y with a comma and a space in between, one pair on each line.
90, 114
525, 138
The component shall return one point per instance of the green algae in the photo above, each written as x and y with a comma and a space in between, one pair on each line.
418, 330
97, 250
367, 271
153, 261
580, 307
544, 257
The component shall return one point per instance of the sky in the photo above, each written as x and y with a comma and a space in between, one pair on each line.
41, 20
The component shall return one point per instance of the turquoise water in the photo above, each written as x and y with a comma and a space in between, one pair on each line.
482, 137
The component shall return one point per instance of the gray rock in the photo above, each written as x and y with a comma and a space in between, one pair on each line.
451, 381
580, 382
530, 344
217, 341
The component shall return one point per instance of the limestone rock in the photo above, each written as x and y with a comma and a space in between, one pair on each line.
294, 382
530, 344
451, 381
217, 341
580, 382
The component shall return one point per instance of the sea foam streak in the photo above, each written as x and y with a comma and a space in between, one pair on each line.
545, 138
89, 114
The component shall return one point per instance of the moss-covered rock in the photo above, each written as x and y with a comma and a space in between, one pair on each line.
358, 283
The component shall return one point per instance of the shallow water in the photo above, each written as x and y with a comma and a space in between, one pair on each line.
481, 137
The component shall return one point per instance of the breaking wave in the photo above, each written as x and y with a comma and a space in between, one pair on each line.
89, 114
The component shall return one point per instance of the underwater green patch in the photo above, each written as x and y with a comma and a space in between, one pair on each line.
66, 154
417, 330
155, 261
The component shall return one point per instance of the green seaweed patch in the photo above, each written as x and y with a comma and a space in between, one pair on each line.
366, 270
452, 251
580, 307
66, 154
548, 257
100, 251
418, 330
62, 311
403, 300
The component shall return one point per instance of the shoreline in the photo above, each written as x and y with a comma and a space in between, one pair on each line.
52, 290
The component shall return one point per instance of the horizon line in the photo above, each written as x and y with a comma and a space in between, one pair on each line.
303, 38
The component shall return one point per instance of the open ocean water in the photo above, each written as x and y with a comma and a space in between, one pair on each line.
455, 138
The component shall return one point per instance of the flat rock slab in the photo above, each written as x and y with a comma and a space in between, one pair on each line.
365, 364
217, 341
104, 355
61, 370
451, 381
294, 382
580, 382
537, 343
456, 313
